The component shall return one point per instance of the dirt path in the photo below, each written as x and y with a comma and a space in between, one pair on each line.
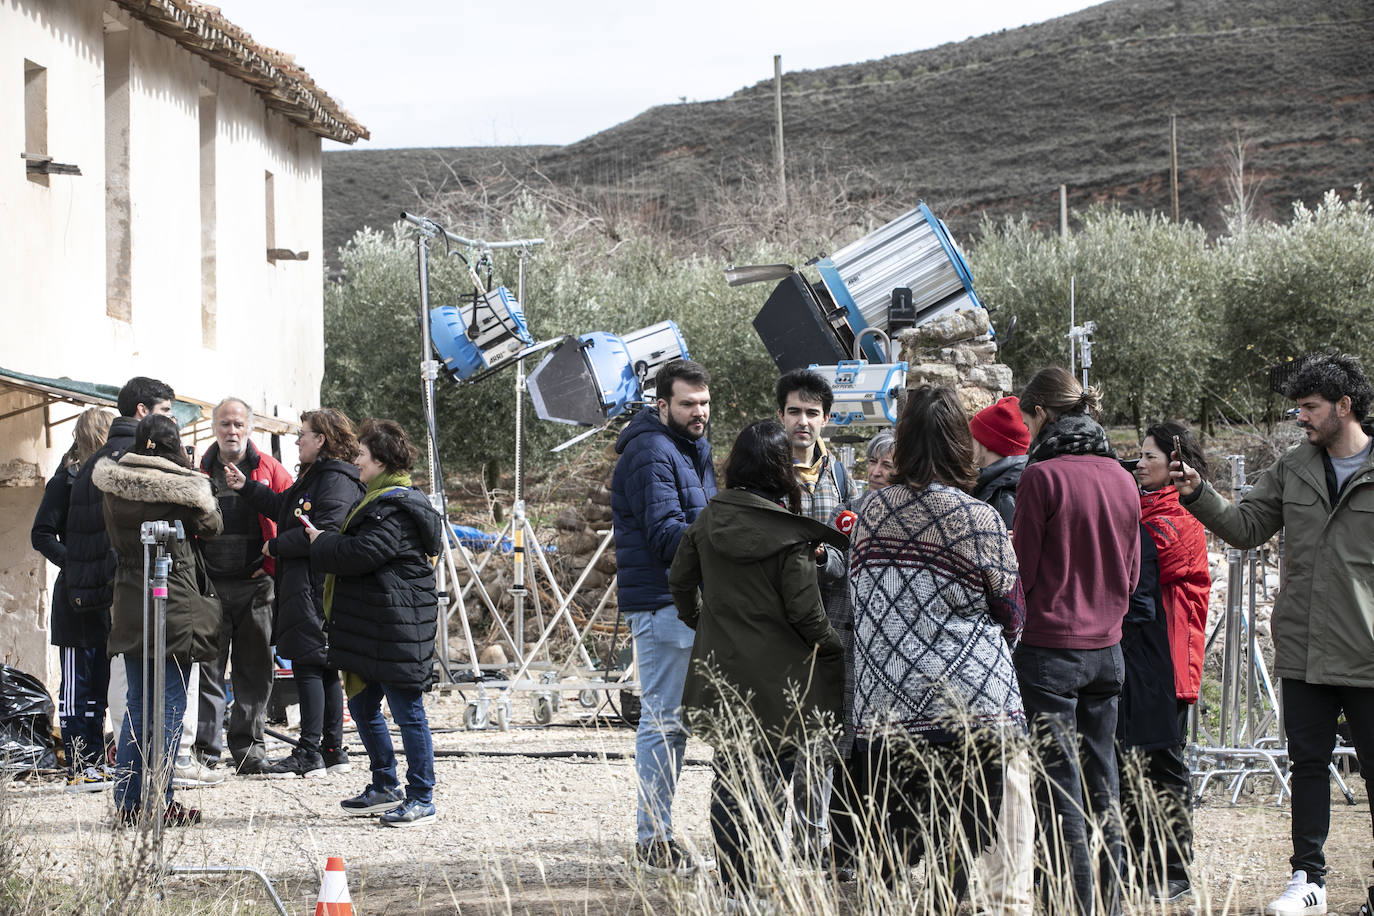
521, 834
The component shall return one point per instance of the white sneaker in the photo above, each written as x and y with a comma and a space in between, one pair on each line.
191, 772
1300, 898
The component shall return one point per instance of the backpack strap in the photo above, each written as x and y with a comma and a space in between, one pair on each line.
842, 482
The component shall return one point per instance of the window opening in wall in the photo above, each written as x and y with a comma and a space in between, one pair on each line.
35, 119
209, 307
118, 206
271, 217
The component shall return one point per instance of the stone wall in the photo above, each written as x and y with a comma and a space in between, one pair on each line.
956, 350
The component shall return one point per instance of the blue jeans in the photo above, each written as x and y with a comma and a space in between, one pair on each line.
663, 650
129, 759
408, 710
1070, 697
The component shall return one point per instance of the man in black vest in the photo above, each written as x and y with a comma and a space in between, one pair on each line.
243, 578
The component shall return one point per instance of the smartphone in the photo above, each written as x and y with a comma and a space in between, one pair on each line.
1178, 454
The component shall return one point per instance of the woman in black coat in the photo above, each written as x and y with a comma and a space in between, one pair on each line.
326, 488
78, 635
382, 603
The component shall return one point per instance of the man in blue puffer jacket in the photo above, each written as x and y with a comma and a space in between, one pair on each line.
662, 481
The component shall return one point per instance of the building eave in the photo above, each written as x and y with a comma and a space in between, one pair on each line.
285, 87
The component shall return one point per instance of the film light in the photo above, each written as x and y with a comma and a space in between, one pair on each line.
479, 337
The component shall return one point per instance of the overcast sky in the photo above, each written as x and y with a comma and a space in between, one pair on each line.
443, 73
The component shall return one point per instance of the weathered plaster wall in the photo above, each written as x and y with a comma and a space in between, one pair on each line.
60, 255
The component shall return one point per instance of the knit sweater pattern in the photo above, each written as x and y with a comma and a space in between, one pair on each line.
937, 608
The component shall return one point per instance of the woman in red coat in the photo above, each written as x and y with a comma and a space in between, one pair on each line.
1184, 586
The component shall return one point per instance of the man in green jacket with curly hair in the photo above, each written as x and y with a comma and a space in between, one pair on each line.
1322, 493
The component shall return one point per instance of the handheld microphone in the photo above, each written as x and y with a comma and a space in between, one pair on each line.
844, 522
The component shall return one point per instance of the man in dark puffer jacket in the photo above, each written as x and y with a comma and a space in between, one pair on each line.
382, 604
662, 481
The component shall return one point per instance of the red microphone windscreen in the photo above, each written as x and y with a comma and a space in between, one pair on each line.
845, 521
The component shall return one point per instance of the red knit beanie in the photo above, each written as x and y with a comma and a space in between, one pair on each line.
1001, 429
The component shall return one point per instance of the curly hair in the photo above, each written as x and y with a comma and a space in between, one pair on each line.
388, 445
811, 385
339, 439
1333, 376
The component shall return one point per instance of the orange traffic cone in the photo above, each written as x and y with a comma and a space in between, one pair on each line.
334, 899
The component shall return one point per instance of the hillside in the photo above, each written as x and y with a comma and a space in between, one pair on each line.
991, 125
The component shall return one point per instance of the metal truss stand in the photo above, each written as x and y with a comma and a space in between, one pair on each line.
1250, 738
493, 694
157, 564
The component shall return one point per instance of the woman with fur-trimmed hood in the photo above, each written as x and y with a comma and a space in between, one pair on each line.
154, 482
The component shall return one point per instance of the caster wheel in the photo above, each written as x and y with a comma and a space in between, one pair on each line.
587, 699
476, 717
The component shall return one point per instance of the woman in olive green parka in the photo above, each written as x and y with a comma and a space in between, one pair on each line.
767, 670
154, 482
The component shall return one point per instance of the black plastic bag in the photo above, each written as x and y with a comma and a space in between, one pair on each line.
26, 718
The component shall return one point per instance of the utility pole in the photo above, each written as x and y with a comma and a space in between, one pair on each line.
1063, 211
777, 105
1173, 162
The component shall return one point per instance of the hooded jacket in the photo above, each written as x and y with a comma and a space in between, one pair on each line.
997, 484
145, 488
661, 483
1186, 583
761, 629
325, 492
1323, 623
90, 563
384, 613
266, 470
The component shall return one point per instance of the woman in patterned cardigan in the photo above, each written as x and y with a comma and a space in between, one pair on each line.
937, 607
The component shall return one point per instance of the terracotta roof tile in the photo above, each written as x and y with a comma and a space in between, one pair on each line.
287, 88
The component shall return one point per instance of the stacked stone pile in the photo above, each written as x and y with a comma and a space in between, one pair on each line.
957, 351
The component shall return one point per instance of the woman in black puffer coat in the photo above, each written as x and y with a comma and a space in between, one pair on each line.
326, 488
382, 603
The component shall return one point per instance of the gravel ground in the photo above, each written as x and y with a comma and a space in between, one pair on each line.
526, 834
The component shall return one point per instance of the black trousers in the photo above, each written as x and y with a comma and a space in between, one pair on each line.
1071, 700
321, 708
1310, 712
748, 796
1156, 804
900, 801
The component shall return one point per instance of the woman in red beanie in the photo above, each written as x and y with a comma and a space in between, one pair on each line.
1000, 439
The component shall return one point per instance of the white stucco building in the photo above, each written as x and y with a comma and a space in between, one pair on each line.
160, 206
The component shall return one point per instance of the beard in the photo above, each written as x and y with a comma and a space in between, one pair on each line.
684, 430
1322, 434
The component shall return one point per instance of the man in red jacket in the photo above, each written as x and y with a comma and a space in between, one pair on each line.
243, 578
